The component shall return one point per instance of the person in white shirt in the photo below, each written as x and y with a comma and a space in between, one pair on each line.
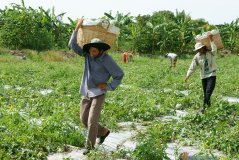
205, 59
173, 58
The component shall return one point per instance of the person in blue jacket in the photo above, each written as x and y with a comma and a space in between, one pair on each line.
98, 69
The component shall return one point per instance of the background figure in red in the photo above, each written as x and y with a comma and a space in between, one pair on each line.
125, 56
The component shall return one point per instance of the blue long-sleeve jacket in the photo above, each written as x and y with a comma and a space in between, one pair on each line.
96, 70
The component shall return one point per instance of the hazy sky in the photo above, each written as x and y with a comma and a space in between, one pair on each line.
213, 11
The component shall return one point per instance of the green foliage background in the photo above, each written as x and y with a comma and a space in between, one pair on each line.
161, 32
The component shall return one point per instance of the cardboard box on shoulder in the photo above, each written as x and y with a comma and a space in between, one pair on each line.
216, 38
97, 28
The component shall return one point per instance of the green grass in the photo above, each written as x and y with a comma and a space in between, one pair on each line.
141, 97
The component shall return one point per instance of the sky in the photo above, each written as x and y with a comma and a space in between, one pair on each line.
213, 11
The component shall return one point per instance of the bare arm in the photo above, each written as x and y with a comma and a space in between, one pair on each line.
73, 40
79, 24
213, 46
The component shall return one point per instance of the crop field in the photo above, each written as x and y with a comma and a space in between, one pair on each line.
39, 106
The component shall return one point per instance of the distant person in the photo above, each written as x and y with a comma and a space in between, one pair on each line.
99, 68
205, 59
124, 57
130, 57
173, 58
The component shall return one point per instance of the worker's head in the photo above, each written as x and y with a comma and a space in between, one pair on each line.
96, 47
199, 47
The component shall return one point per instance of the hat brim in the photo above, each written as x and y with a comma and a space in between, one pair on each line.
199, 48
103, 46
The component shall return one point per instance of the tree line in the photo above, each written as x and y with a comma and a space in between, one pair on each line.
39, 29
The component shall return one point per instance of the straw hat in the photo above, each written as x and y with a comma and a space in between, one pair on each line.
97, 43
198, 46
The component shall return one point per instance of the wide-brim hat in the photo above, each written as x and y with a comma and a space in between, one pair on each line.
198, 46
97, 43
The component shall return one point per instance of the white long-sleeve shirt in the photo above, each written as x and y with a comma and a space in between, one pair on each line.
171, 55
206, 62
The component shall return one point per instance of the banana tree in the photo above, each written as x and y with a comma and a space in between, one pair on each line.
229, 34
134, 33
184, 26
122, 21
154, 35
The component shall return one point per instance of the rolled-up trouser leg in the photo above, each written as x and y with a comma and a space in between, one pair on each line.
94, 128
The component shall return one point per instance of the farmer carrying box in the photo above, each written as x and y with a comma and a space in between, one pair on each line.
98, 69
205, 59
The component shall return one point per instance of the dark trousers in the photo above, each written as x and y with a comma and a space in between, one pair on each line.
208, 87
